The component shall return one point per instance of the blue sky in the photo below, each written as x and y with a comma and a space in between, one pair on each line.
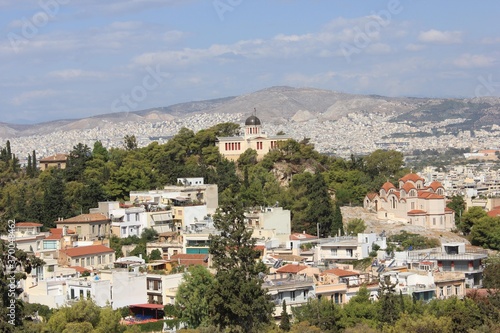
72, 58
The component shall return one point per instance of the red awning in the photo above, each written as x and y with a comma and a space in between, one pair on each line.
147, 306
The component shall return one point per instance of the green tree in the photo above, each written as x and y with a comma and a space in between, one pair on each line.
355, 226
191, 300
389, 304
471, 217
360, 309
465, 315
54, 200
383, 163
109, 321
486, 232
321, 313
457, 203
75, 164
14, 265
155, 255
237, 300
285, 319
337, 224
492, 272
130, 142
420, 324
248, 158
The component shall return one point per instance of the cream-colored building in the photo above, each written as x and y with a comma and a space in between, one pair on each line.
413, 203
88, 227
93, 256
254, 138
57, 161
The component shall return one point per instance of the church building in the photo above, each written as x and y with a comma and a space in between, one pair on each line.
254, 138
413, 203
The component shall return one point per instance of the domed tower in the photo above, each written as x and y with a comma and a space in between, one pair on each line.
253, 126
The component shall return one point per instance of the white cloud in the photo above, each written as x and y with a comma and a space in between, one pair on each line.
415, 47
440, 37
473, 61
68, 74
490, 40
31, 95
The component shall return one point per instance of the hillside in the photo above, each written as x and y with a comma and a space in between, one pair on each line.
283, 104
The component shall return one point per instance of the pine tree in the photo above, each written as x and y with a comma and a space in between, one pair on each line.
34, 164
29, 170
337, 221
237, 300
285, 319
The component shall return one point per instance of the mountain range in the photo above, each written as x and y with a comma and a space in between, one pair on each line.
280, 104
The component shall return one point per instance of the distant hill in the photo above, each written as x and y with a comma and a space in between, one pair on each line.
277, 104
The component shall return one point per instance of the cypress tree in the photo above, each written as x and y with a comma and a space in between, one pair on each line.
237, 300
33, 164
285, 319
29, 171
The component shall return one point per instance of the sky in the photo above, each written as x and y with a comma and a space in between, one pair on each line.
62, 59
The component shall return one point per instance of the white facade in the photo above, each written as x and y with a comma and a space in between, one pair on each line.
270, 223
125, 222
126, 288
349, 247
161, 289
412, 202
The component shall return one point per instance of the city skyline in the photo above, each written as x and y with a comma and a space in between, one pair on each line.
73, 59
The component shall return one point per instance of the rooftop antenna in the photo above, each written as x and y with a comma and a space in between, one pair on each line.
255, 112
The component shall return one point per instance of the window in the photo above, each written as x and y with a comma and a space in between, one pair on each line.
448, 291
333, 252
93, 229
79, 230
306, 292
77, 261
99, 260
457, 290
88, 261
412, 205
348, 252
441, 291
433, 221
292, 295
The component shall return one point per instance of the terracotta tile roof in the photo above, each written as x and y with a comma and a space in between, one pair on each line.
447, 209
301, 236
435, 185
59, 231
395, 193
494, 213
429, 195
387, 186
417, 212
54, 237
411, 176
54, 158
190, 259
407, 187
340, 272
28, 224
371, 195
94, 217
289, 257
79, 269
293, 269
87, 250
